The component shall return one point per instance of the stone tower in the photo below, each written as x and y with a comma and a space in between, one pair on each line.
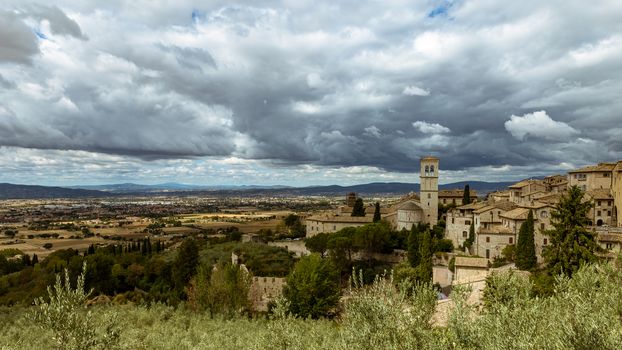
429, 190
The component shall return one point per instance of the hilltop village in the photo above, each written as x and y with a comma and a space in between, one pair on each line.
495, 219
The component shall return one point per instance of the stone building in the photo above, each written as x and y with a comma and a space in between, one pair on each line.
524, 191
454, 196
592, 177
402, 215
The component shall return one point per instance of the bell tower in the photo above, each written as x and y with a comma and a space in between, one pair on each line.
428, 192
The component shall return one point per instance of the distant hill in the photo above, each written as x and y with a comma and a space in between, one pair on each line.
11, 191
167, 187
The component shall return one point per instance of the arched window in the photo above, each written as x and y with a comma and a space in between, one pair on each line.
431, 169
427, 170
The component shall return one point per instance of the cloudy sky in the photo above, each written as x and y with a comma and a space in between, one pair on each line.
306, 92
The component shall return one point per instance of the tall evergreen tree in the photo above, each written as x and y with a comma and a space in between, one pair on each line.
186, 262
466, 195
572, 245
377, 216
358, 209
35, 259
414, 257
425, 251
526, 247
469, 241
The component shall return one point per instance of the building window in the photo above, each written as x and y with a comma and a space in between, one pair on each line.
453, 221
608, 212
544, 214
541, 227
467, 222
598, 213
334, 227
609, 246
511, 240
599, 203
487, 254
487, 239
545, 242
430, 196
464, 234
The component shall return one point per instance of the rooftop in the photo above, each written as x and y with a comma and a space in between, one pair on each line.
601, 167
467, 261
516, 214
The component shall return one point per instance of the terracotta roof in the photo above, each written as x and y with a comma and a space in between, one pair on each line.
552, 198
472, 206
504, 205
408, 205
516, 214
601, 167
499, 230
505, 193
458, 193
599, 193
348, 219
526, 182
466, 261
538, 205
429, 158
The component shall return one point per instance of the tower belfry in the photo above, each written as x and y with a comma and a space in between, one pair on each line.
428, 191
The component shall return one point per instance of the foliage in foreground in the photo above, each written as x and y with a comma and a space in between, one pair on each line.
583, 313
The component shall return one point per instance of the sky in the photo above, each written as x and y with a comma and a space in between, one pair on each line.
306, 92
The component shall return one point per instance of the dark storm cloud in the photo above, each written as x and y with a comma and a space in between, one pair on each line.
338, 84
18, 43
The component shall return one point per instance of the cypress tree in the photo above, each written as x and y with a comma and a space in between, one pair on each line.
572, 245
466, 195
377, 212
526, 247
35, 259
469, 241
414, 258
358, 209
425, 251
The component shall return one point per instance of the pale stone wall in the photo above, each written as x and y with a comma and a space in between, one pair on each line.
406, 218
616, 190
263, 290
592, 180
442, 275
456, 226
466, 273
297, 247
490, 245
318, 226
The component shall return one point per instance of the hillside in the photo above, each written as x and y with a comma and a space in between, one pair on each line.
12, 191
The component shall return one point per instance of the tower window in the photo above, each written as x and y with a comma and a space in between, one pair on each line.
432, 169
429, 195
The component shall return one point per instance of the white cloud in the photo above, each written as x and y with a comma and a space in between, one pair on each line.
540, 125
415, 91
430, 128
372, 131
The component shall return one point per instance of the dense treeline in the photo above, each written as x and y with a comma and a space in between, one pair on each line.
139, 271
583, 313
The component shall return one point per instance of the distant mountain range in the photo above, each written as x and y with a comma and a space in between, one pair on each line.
12, 191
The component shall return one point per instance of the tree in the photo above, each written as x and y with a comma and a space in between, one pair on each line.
358, 209
572, 245
466, 196
377, 212
526, 247
312, 287
221, 290
425, 252
373, 238
317, 243
469, 241
35, 259
185, 263
413, 246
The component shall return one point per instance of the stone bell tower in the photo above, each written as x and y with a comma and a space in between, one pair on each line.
429, 189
